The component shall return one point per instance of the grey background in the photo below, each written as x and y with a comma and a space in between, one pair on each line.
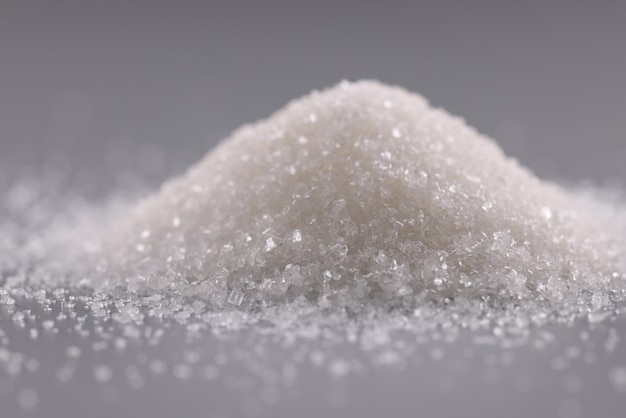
88, 77
152, 85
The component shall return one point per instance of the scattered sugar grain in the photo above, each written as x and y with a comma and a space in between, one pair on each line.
103, 373
618, 379
28, 399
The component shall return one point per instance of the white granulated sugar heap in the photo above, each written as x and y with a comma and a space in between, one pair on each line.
362, 193
356, 229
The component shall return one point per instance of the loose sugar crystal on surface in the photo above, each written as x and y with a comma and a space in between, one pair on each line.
362, 192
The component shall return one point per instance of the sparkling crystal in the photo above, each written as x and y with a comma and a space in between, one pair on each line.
235, 297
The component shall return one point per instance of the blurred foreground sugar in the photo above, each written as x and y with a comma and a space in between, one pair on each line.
362, 193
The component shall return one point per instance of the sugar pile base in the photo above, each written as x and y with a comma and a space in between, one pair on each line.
356, 217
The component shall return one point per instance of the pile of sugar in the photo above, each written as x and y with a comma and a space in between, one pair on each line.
358, 228
363, 194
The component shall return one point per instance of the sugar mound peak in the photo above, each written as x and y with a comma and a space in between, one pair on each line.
362, 193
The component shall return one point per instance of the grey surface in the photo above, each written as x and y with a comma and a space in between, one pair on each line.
102, 85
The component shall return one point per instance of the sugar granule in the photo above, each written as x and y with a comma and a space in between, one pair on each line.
357, 194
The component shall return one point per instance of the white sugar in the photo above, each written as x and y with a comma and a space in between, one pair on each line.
358, 216
363, 193
102, 373
28, 399
618, 379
